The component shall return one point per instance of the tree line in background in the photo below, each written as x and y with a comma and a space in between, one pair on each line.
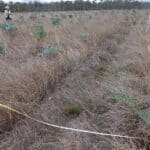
75, 5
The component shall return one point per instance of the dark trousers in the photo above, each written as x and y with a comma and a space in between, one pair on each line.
8, 17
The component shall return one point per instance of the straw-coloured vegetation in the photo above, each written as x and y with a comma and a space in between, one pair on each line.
86, 70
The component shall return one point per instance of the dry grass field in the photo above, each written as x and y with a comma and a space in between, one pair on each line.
87, 70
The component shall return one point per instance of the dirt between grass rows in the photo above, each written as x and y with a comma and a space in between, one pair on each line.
80, 100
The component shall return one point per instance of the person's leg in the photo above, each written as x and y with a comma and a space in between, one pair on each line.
8, 17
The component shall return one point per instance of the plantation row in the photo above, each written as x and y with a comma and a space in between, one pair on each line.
39, 32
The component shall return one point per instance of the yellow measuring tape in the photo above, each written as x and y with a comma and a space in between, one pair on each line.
70, 129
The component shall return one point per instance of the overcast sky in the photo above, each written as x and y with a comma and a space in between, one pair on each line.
42, 0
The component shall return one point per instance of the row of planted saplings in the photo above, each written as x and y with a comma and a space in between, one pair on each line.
39, 33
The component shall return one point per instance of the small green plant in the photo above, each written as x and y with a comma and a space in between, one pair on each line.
33, 16
8, 28
43, 15
20, 20
38, 31
2, 49
117, 76
84, 37
119, 37
73, 109
90, 17
134, 11
55, 21
123, 98
50, 51
133, 17
70, 16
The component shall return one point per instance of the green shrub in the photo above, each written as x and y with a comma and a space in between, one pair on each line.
33, 16
38, 31
2, 49
90, 17
134, 20
123, 98
133, 17
20, 20
84, 37
55, 21
119, 37
43, 15
133, 11
8, 28
50, 51
70, 16
73, 109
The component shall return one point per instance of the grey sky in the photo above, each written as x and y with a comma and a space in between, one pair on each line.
42, 0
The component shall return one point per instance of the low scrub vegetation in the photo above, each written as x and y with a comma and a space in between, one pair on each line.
33, 16
7, 27
50, 51
38, 31
73, 109
119, 37
84, 37
55, 20
125, 99
2, 49
20, 20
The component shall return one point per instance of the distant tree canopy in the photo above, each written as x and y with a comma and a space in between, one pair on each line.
2, 5
75, 5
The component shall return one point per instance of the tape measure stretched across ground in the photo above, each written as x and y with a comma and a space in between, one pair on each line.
67, 128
